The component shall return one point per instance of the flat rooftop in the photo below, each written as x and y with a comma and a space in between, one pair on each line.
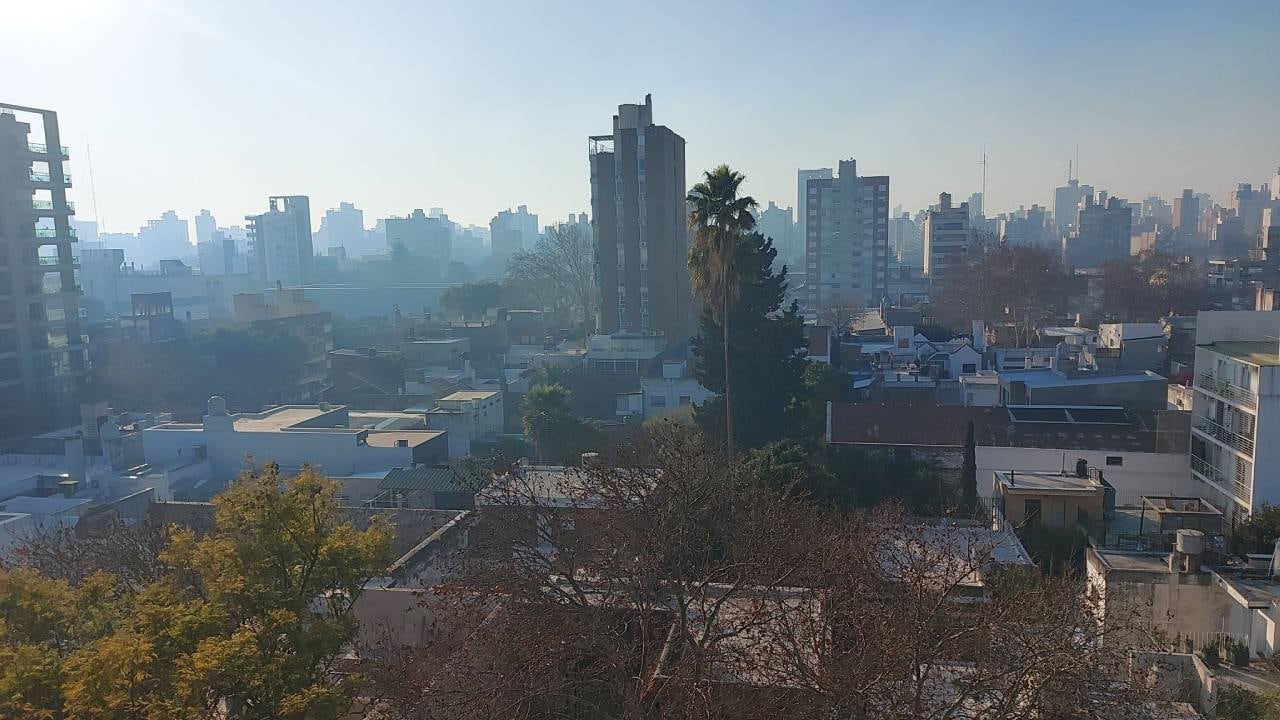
1047, 482
1044, 377
277, 418
413, 437
30, 505
469, 395
1262, 354
1155, 562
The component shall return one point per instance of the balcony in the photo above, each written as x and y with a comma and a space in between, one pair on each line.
1222, 434
1210, 472
43, 149
1227, 391
54, 261
46, 207
52, 233
37, 176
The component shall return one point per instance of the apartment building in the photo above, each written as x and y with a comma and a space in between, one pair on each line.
946, 234
1235, 420
846, 239
43, 353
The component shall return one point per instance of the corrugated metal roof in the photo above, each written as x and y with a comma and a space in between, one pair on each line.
422, 478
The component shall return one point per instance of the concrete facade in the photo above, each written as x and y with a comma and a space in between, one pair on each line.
640, 227
280, 240
846, 239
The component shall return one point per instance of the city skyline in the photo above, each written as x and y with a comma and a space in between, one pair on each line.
394, 125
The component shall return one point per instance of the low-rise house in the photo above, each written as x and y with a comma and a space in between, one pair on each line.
467, 416
1058, 500
1135, 390
1130, 347
321, 436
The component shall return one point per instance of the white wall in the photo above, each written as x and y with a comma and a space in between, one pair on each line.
331, 452
671, 390
1141, 474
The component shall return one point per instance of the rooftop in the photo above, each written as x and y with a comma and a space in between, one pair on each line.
1046, 377
54, 505
1154, 562
465, 395
423, 478
277, 418
1047, 482
1260, 353
943, 426
411, 438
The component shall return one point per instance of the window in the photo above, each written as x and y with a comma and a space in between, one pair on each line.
1031, 512
1115, 460
968, 368
686, 400
657, 401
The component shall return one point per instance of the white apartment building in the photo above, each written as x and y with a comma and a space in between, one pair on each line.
846, 239
1235, 423
467, 416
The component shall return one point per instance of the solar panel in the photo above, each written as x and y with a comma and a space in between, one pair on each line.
1099, 416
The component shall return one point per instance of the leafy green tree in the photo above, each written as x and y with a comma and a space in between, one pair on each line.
1258, 534
472, 300
247, 622
823, 383
253, 366
969, 473
770, 357
550, 427
719, 217
789, 469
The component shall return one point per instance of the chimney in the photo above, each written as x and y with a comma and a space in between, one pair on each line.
1185, 558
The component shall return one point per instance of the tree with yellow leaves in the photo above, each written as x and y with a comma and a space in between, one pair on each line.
245, 623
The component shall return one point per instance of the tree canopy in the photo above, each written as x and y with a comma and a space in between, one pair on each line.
1002, 284
559, 272
1151, 286
245, 622
767, 346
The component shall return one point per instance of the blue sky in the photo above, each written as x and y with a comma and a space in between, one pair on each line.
475, 107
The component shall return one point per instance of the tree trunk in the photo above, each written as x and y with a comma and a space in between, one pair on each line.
724, 326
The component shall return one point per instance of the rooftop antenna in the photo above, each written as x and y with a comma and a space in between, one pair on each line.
93, 191
984, 179
1077, 162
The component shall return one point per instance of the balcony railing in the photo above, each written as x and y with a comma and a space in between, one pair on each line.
44, 177
52, 260
48, 205
1212, 473
53, 232
1229, 391
1223, 434
43, 149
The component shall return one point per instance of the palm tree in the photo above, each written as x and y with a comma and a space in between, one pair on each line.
719, 217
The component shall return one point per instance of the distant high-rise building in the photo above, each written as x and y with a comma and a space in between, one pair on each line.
1103, 231
848, 245
218, 255
344, 227
1066, 203
1249, 203
165, 238
205, 227
640, 223
777, 223
280, 241
1157, 210
802, 201
43, 353
1186, 219
1026, 227
904, 240
422, 235
511, 232
946, 236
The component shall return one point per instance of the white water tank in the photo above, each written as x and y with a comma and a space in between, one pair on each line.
1190, 542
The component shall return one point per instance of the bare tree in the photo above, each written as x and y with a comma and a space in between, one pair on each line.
841, 314
559, 271
665, 584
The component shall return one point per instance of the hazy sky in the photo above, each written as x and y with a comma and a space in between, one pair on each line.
476, 106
